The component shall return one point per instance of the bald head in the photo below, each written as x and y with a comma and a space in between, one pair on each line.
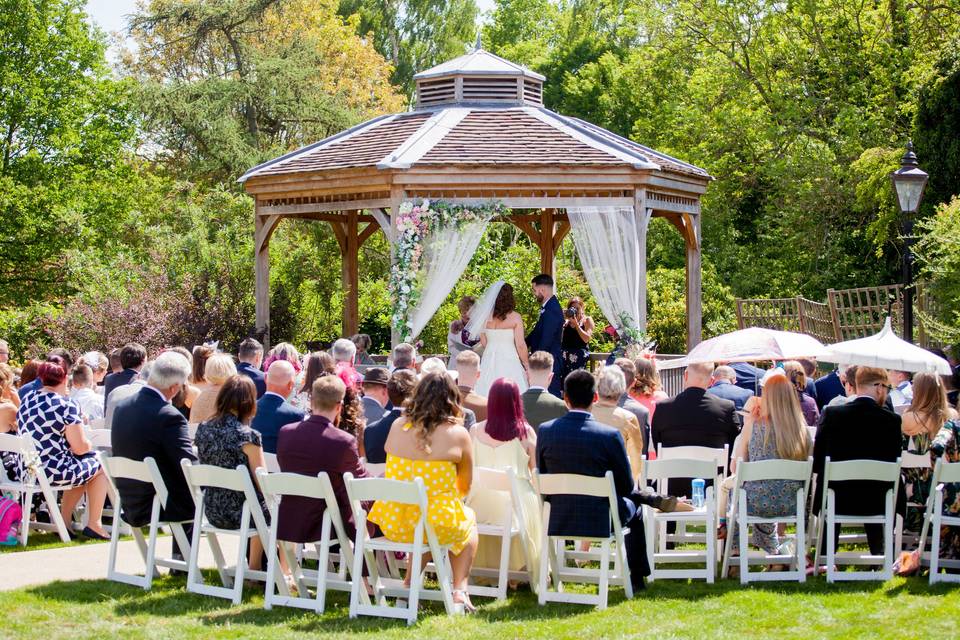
280, 378
698, 375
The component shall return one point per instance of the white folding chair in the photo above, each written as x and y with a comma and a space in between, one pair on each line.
910, 460
201, 477
656, 521
812, 431
270, 459
719, 455
192, 430
364, 549
33, 479
100, 439
506, 531
148, 472
375, 469
943, 473
765, 470
874, 470
553, 561
276, 486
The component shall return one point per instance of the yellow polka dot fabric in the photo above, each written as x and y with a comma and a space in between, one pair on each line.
451, 520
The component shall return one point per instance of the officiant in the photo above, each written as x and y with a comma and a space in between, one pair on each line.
548, 332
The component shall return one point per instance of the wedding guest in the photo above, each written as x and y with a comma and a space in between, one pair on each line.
505, 440
829, 387
273, 410
539, 405
920, 424
363, 343
344, 352
4, 352
249, 359
810, 371
122, 393
352, 420
67, 456
58, 356
226, 440
775, 430
89, 401
646, 387
114, 357
723, 385
404, 356
8, 392
132, 357
99, 365
902, 392
640, 412
218, 369
848, 376
435, 365
189, 392
146, 425
575, 341
399, 389
468, 372
611, 383
431, 443
458, 338
861, 429
9, 402
375, 397
28, 373
199, 356
576, 443
798, 377
946, 445
319, 363
315, 446
284, 351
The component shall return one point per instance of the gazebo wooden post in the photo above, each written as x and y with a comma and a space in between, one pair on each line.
397, 196
350, 272
547, 252
694, 276
263, 229
640, 213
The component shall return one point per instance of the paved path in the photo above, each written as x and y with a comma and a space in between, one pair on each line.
89, 562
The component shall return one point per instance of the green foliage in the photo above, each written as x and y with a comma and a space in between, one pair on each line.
667, 311
938, 253
937, 128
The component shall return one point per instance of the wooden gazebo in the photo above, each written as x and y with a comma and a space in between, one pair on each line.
478, 132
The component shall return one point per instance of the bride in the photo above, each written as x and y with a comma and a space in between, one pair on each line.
499, 327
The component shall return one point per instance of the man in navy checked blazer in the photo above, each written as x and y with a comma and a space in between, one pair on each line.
576, 443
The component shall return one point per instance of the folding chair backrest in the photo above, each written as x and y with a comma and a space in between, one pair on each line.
719, 455
661, 469
100, 438
317, 487
491, 479
799, 470
273, 465
910, 460
99, 423
861, 470
812, 431
208, 475
12, 443
146, 471
946, 472
556, 484
364, 489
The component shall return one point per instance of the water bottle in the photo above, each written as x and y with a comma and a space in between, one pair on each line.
698, 493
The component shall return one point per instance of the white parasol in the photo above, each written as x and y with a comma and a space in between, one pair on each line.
751, 345
887, 351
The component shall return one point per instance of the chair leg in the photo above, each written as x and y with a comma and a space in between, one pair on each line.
711, 542
504, 575
831, 540
151, 556
651, 529
193, 570
545, 552
416, 575
357, 572
322, 563
801, 542
219, 559
271, 551
935, 541
27, 497
604, 586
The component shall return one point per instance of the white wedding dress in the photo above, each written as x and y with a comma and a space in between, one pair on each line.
500, 360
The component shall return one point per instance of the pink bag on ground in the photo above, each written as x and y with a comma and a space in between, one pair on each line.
10, 516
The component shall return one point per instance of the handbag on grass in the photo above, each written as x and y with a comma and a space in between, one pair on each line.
10, 516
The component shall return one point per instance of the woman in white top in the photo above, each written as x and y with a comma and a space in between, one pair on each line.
505, 440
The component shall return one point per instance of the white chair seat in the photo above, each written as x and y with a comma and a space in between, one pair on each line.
24, 447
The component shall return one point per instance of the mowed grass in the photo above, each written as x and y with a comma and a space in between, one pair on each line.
898, 609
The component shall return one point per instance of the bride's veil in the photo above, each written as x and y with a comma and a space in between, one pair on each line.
482, 310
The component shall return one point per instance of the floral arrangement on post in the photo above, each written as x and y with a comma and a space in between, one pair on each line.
631, 342
415, 224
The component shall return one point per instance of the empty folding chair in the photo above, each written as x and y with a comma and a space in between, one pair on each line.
33, 479
760, 471
553, 559
507, 531
147, 471
276, 486
719, 455
201, 477
873, 470
656, 521
364, 549
943, 473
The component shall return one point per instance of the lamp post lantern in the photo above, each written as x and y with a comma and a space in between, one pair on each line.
908, 182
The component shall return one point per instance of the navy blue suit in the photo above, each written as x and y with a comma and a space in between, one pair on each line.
576, 443
259, 380
375, 437
828, 388
273, 412
727, 391
748, 376
546, 335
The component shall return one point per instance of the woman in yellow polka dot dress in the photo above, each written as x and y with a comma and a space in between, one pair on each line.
429, 442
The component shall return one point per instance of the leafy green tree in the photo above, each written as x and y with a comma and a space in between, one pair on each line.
937, 127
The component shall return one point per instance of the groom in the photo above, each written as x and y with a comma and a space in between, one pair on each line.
547, 332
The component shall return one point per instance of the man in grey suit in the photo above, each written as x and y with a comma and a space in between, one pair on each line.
375, 398
539, 405
627, 403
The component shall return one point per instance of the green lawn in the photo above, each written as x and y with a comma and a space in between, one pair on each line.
900, 608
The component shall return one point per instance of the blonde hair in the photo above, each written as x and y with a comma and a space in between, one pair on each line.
219, 368
929, 403
796, 374
785, 422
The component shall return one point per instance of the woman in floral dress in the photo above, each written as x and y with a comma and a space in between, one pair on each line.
947, 446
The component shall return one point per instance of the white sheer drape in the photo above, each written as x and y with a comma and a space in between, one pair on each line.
445, 255
611, 243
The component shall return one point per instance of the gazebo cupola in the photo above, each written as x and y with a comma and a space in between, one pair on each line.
479, 78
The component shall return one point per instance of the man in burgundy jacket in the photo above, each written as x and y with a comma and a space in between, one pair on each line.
310, 447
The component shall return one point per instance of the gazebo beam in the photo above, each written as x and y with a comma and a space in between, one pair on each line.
694, 289
264, 226
350, 267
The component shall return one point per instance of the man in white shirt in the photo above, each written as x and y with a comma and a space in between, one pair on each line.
902, 392
90, 402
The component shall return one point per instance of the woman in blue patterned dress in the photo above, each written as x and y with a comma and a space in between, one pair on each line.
947, 446
775, 430
67, 456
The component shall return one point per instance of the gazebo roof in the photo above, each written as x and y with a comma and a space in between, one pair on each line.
473, 135
478, 62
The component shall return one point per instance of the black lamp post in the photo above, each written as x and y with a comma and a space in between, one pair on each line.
908, 181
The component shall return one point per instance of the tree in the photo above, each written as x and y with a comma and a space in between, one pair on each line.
228, 84
63, 127
937, 127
